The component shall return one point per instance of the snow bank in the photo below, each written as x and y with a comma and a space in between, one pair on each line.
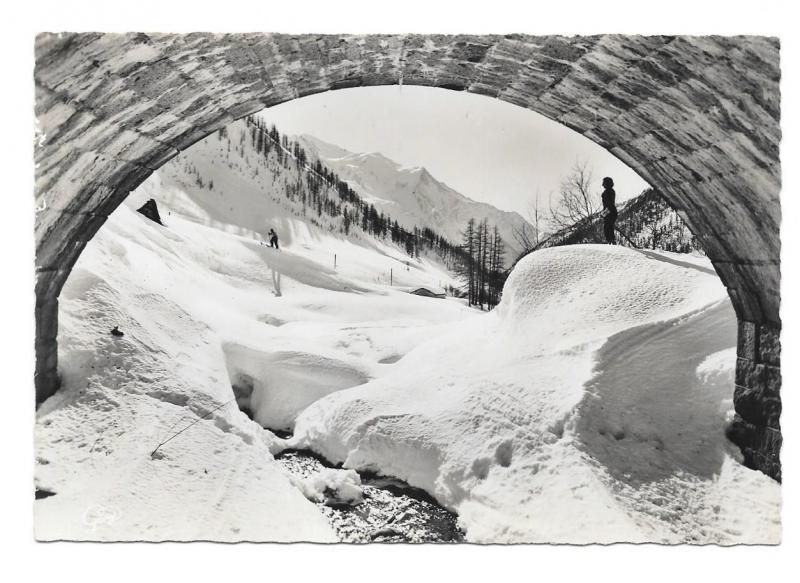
333, 487
582, 293
529, 421
122, 396
283, 383
718, 367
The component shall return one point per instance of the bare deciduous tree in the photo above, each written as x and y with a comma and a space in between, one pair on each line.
528, 235
575, 203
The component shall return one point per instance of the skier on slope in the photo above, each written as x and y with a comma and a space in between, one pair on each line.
609, 210
273, 239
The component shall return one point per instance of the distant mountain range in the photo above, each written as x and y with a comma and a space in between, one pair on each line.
412, 196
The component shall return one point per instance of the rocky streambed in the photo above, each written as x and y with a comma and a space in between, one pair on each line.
390, 510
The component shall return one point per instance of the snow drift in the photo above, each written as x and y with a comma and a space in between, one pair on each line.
333, 487
550, 421
284, 383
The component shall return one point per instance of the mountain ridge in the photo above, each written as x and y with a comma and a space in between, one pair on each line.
412, 194
645, 221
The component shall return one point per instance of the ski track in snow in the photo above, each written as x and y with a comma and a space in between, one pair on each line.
588, 407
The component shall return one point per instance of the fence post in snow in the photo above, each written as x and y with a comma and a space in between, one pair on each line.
334, 260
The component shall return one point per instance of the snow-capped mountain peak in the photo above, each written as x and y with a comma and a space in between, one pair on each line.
411, 194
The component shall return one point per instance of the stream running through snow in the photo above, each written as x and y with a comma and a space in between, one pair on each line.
391, 512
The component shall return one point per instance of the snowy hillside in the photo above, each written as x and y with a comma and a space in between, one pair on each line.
224, 183
412, 195
650, 223
203, 310
645, 222
249, 179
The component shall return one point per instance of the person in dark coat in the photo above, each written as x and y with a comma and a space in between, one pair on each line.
609, 210
273, 238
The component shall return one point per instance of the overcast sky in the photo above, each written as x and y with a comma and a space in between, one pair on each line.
486, 149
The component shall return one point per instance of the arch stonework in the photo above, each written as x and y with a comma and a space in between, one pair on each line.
697, 117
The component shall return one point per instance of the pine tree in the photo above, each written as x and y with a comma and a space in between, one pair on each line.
496, 268
466, 269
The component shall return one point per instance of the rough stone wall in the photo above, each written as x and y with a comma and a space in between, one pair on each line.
757, 398
697, 117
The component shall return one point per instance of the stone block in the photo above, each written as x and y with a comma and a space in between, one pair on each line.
759, 405
746, 340
46, 316
773, 379
45, 374
59, 234
49, 283
760, 446
769, 345
749, 374
744, 302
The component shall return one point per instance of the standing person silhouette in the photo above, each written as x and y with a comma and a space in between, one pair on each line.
609, 210
273, 239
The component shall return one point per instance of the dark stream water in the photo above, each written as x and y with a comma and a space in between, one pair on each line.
392, 511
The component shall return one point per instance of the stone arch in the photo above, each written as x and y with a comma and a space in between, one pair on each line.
697, 117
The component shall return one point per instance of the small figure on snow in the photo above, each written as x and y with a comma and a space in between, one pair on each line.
609, 210
273, 238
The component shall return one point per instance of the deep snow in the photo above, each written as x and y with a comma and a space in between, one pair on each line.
588, 407
198, 309
333, 486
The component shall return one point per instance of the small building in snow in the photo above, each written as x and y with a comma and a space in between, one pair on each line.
428, 292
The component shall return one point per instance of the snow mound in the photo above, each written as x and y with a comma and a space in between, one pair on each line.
576, 412
585, 292
333, 487
718, 367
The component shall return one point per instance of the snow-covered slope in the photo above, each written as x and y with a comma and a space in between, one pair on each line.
412, 195
589, 407
201, 309
645, 222
222, 182
205, 306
